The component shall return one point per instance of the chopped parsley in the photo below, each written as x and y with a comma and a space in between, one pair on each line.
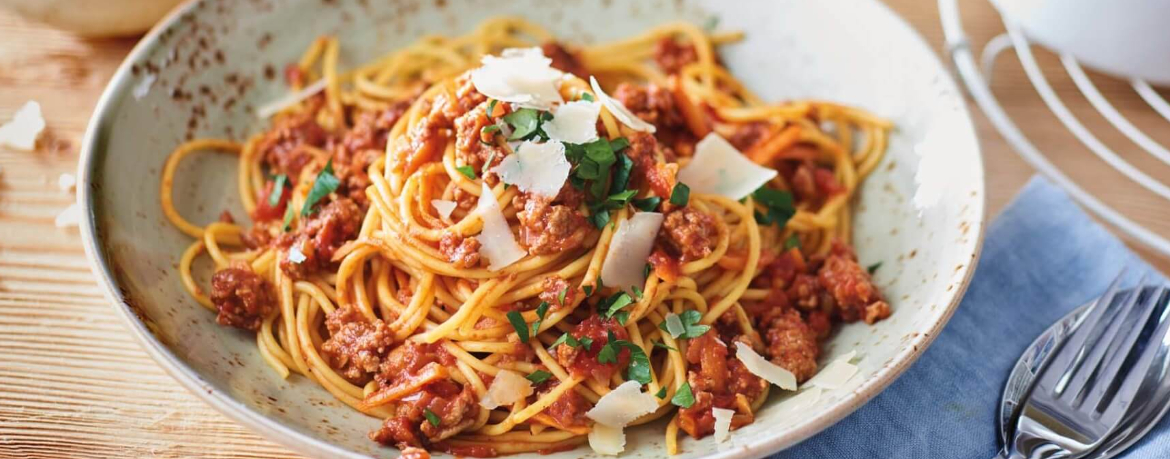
680, 195
288, 217
792, 242
541, 310
526, 123
637, 292
491, 108
573, 342
277, 190
690, 325
431, 417
662, 345
324, 184
661, 393
647, 204
683, 398
614, 303
874, 267
588, 290
467, 171
561, 296
519, 325
599, 218
606, 188
646, 271
621, 176
587, 97
639, 366
778, 204
539, 376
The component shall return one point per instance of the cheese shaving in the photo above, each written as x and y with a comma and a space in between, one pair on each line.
539, 168
802, 401
620, 111
71, 216
718, 168
835, 374
66, 182
623, 405
496, 241
674, 325
507, 387
761, 367
142, 88
295, 255
625, 261
25, 128
574, 122
722, 423
522, 76
607, 440
289, 100
444, 207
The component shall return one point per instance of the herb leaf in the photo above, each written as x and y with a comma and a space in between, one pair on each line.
647, 204
288, 217
519, 325
779, 206
662, 345
874, 267
324, 184
689, 321
639, 368
680, 195
661, 393
524, 123
793, 241
277, 190
615, 303
561, 296
538, 376
587, 97
683, 397
431, 417
541, 310
467, 171
621, 175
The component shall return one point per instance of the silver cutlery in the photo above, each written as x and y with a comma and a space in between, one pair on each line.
1072, 393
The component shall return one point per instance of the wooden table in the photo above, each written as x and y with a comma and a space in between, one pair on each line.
74, 383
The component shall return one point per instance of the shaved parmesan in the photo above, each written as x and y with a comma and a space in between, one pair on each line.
522, 76
802, 401
496, 242
295, 255
607, 440
722, 423
620, 111
674, 325
289, 100
539, 168
718, 168
507, 388
25, 128
761, 367
71, 216
625, 261
444, 207
848, 356
66, 182
143, 87
834, 375
623, 405
574, 122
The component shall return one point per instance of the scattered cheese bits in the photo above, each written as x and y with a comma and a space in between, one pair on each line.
620, 111
71, 216
722, 423
574, 122
444, 207
289, 100
539, 168
25, 128
522, 76
607, 440
66, 182
835, 374
718, 168
496, 242
625, 261
802, 401
295, 255
674, 325
142, 88
623, 405
761, 367
507, 387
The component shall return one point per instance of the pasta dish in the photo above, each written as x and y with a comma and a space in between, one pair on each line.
500, 242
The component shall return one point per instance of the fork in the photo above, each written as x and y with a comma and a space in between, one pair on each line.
1083, 392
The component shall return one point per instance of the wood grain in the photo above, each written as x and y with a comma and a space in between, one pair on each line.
73, 383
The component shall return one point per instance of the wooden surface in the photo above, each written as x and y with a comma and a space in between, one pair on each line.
74, 383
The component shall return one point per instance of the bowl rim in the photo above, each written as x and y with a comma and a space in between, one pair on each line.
302, 443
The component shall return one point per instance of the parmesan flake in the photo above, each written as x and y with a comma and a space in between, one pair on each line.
25, 128
66, 182
620, 111
295, 255
71, 216
539, 168
625, 261
507, 387
444, 207
761, 367
607, 440
722, 423
522, 76
496, 241
718, 168
574, 122
623, 405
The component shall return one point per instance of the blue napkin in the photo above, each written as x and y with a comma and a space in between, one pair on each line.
1042, 257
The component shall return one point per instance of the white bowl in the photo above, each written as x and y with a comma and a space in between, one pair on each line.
920, 213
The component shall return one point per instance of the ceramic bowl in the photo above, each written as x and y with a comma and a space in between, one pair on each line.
203, 71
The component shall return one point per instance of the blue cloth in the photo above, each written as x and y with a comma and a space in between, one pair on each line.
1042, 257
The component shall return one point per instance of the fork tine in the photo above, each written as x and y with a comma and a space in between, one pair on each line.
1071, 353
1120, 347
1084, 376
1155, 352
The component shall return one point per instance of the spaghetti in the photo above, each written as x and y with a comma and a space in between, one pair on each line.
405, 258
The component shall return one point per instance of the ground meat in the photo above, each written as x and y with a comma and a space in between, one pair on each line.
563, 59
282, 148
421, 144
242, 297
356, 346
455, 406
411, 452
691, 233
461, 251
583, 362
226, 217
791, 343
672, 56
716, 378
553, 286
475, 148
657, 175
652, 103
548, 227
568, 410
746, 135
333, 225
851, 287
361, 146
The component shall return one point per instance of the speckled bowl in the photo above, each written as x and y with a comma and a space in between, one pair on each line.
206, 67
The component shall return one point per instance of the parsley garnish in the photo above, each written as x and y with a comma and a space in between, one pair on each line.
646, 271
431, 418
587, 97
874, 267
711, 23
586, 342
541, 310
778, 203
792, 242
588, 289
639, 367
690, 325
491, 108
661, 393
573, 342
288, 216
621, 175
277, 190
324, 184
600, 218
637, 292
680, 195
683, 398
519, 325
467, 171
525, 123
647, 204
662, 345
538, 376
561, 296
614, 303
